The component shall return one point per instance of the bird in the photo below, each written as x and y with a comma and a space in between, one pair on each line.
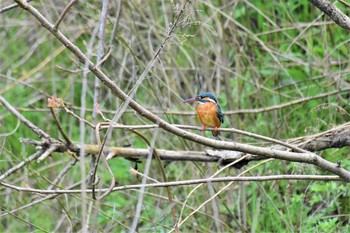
208, 111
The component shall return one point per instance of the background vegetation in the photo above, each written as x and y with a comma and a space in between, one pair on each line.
250, 54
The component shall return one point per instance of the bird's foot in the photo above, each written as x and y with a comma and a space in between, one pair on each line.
216, 133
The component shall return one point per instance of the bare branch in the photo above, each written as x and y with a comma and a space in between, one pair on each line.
9, 7
59, 127
333, 12
182, 183
48, 152
336, 137
115, 25
209, 155
21, 164
252, 135
78, 117
36, 201
64, 12
101, 146
345, 3
100, 53
62, 174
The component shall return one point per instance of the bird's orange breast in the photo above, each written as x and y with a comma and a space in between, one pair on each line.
207, 114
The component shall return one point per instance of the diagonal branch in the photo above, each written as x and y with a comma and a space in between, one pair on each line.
310, 158
65, 11
333, 12
21, 164
24, 120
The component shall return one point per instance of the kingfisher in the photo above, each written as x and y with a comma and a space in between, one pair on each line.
208, 111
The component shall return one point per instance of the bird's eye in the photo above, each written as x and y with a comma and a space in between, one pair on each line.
198, 98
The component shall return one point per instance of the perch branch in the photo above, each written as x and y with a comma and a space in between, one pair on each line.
336, 137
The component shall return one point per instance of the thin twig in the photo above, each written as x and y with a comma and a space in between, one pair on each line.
242, 111
64, 135
161, 167
36, 201
79, 118
140, 198
200, 185
101, 148
104, 58
24, 120
112, 184
100, 52
48, 152
181, 183
221, 190
64, 12
136, 172
96, 160
21, 164
249, 134
62, 174
345, 3
9, 7
115, 25
231, 130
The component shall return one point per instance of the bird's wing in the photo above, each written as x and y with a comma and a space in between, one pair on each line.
219, 114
